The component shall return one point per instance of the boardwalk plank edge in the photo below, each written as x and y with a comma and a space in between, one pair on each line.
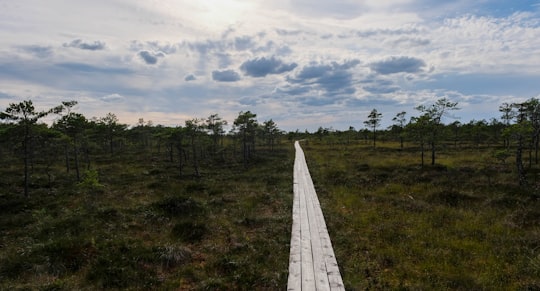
312, 263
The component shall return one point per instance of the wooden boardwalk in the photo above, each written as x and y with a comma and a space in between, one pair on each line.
312, 263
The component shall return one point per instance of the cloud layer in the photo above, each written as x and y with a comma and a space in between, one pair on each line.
303, 63
150, 58
394, 65
78, 43
225, 76
261, 67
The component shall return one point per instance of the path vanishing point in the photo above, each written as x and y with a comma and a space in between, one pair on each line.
312, 263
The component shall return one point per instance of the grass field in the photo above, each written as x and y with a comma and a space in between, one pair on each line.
135, 223
460, 225
141, 226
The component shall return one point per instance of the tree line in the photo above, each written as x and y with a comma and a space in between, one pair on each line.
75, 140
515, 133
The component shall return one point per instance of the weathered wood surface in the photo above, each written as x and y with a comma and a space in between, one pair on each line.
312, 263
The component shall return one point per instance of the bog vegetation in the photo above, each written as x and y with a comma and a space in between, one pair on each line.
428, 203
92, 203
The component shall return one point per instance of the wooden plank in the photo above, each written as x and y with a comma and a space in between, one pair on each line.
312, 263
308, 274
332, 269
319, 264
295, 270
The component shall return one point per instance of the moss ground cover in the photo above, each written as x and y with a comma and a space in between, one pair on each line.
462, 224
137, 224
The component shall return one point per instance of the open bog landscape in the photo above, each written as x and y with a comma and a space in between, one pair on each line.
141, 225
158, 214
269, 145
457, 225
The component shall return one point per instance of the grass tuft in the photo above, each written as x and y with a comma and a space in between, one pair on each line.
180, 206
461, 224
188, 231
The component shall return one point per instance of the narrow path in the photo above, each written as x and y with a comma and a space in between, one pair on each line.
312, 263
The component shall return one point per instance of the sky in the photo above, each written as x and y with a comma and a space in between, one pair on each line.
304, 64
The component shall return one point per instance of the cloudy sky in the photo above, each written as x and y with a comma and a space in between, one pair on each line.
302, 63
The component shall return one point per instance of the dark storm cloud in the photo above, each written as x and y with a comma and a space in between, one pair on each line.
261, 67
38, 51
78, 43
396, 65
150, 58
225, 76
190, 77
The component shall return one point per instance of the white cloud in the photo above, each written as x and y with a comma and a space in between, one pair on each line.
226, 76
258, 51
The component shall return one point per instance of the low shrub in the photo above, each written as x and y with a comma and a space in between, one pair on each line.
65, 255
90, 180
14, 266
337, 177
171, 256
451, 198
362, 167
121, 265
188, 231
180, 206
195, 187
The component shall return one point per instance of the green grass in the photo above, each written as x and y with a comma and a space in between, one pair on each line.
395, 225
140, 225
136, 223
